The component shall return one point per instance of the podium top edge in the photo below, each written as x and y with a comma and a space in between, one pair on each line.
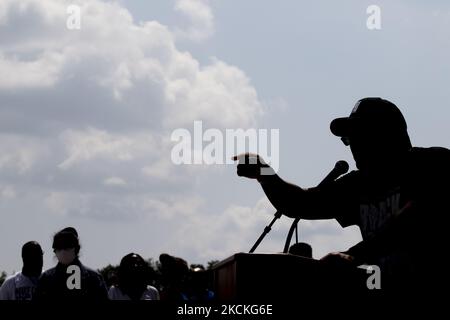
244, 255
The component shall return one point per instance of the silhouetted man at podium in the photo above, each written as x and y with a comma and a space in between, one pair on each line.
398, 197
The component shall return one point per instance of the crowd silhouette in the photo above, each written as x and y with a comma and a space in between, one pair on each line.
134, 279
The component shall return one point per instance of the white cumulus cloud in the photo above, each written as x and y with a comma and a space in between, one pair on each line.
86, 115
200, 19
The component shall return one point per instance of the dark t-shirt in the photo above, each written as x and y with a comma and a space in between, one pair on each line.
369, 204
52, 285
423, 181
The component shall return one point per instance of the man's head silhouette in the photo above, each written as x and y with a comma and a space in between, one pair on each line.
301, 249
133, 275
376, 132
66, 245
32, 256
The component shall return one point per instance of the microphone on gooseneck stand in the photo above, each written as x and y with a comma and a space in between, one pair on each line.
341, 167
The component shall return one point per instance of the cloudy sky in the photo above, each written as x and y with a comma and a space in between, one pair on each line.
86, 115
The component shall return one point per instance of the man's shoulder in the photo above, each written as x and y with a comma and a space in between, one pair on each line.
113, 288
19, 277
431, 159
16, 275
350, 178
48, 272
89, 270
151, 288
429, 153
90, 273
151, 293
85, 270
10, 280
114, 293
428, 170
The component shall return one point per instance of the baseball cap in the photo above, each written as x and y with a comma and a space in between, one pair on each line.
66, 238
373, 115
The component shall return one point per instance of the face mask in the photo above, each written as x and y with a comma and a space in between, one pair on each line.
66, 256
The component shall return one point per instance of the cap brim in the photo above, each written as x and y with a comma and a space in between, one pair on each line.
342, 127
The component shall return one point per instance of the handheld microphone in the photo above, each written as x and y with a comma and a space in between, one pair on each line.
341, 167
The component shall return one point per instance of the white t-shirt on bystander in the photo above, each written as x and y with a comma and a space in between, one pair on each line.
18, 287
151, 293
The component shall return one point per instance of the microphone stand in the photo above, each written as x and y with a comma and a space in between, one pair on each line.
266, 231
289, 236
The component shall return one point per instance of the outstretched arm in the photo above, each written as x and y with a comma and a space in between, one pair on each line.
288, 198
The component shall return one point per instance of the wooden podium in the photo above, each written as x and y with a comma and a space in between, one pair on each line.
260, 277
